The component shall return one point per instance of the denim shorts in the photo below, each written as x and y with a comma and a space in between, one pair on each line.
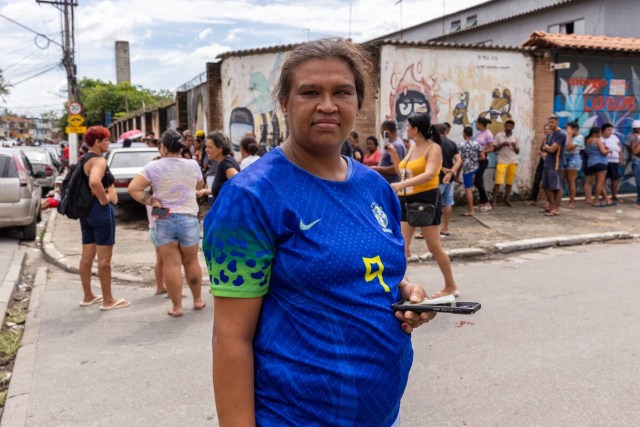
180, 228
446, 191
573, 161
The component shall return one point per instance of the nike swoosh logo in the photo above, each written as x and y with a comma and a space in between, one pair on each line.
305, 227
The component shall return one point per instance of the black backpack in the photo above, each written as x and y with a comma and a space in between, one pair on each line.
75, 196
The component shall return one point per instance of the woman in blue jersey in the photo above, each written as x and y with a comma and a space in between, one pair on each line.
305, 257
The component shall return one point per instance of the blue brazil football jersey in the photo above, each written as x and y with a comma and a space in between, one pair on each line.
327, 258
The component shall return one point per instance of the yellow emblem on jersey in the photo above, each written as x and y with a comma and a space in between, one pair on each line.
370, 274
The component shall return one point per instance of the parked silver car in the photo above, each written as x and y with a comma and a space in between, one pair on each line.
19, 193
126, 163
41, 161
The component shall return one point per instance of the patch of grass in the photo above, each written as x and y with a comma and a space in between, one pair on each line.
9, 344
3, 397
17, 314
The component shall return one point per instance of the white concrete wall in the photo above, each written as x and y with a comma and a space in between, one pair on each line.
458, 86
247, 84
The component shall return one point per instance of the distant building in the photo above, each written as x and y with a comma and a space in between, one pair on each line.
123, 65
511, 22
14, 127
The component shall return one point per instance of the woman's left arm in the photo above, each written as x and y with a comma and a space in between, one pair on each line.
136, 191
415, 294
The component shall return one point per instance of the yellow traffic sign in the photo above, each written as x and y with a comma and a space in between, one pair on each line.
75, 120
76, 129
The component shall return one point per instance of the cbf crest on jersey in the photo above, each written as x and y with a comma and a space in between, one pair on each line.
381, 217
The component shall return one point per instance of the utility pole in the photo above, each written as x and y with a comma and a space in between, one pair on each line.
66, 7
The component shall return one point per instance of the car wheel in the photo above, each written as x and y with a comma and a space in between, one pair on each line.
29, 231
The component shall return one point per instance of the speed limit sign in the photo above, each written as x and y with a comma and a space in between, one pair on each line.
75, 108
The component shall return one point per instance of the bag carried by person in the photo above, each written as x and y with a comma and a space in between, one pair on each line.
75, 196
419, 214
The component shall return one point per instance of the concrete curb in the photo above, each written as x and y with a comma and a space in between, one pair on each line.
11, 279
17, 403
58, 259
529, 244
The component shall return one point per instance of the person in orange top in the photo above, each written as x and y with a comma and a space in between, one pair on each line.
420, 171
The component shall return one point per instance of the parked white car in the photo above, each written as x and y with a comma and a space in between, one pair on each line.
19, 192
126, 163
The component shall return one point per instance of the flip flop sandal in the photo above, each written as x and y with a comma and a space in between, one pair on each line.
93, 301
121, 303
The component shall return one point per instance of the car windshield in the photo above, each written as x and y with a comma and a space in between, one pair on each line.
132, 159
37, 156
7, 167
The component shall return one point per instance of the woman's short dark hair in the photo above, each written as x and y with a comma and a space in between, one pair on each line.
573, 125
221, 140
467, 131
483, 121
354, 135
249, 144
354, 55
172, 141
373, 139
422, 122
594, 131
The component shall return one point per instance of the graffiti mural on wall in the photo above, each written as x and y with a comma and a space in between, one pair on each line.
459, 86
253, 111
444, 100
593, 92
196, 115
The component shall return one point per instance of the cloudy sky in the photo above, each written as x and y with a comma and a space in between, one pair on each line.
171, 40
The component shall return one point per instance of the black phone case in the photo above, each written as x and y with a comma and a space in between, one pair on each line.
457, 308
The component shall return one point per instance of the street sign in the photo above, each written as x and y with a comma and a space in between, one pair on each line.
75, 120
75, 108
76, 129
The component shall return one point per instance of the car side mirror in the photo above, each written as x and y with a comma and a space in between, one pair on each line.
40, 175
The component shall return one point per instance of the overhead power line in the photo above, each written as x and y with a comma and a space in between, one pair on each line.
35, 75
38, 34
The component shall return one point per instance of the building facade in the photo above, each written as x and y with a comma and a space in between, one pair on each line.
511, 22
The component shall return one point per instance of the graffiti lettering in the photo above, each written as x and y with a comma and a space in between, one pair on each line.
596, 83
610, 103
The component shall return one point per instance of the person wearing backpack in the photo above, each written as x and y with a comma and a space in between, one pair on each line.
99, 225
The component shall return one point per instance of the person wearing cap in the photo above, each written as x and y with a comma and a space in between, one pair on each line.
633, 144
554, 147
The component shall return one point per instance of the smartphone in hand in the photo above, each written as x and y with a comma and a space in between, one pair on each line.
453, 308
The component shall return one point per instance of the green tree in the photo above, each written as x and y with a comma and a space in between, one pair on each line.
98, 98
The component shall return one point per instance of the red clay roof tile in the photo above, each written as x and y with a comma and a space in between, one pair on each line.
578, 41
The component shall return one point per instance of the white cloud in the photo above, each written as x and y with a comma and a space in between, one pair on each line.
204, 33
166, 51
232, 35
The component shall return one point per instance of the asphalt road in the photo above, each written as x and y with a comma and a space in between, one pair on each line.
555, 343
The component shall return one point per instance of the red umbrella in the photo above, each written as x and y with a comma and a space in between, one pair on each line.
131, 134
